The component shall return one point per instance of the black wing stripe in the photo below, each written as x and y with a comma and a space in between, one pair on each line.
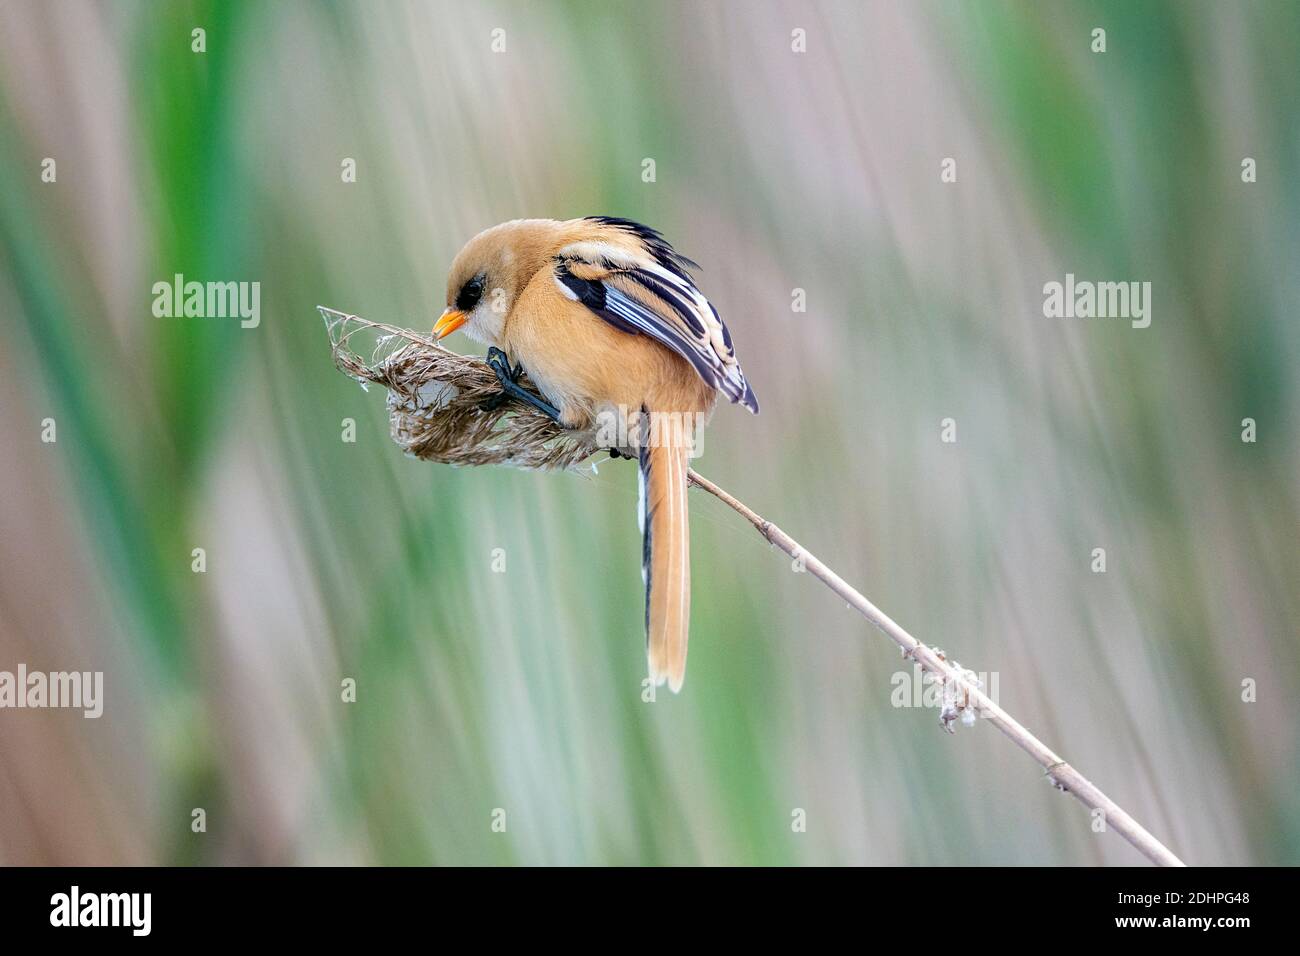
679, 303
631, 311
593, 295
659, 247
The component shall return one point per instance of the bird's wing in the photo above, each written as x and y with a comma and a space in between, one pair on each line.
636, 282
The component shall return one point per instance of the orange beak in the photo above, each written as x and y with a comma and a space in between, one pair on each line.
450, 321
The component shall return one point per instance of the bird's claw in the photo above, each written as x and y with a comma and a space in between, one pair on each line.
509, 377
499, 362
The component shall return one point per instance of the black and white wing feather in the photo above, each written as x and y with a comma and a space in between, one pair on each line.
643, 288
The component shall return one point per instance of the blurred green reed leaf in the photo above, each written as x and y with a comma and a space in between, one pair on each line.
132, 537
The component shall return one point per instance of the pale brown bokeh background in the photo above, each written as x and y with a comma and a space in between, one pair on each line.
776, 170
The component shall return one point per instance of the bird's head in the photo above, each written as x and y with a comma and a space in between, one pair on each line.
488, 275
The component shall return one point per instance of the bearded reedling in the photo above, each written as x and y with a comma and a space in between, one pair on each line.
606, 319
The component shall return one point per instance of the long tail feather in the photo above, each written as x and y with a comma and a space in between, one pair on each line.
666, 561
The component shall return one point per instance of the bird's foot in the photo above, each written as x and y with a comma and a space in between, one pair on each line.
499, 362
509, 377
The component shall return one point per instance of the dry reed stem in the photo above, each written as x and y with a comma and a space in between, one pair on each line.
435, 400
1061, 773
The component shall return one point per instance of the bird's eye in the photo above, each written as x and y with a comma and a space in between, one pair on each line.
470, 293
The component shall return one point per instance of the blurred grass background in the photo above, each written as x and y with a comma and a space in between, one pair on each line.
777, 170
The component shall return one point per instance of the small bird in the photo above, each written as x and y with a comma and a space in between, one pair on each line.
605, 318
